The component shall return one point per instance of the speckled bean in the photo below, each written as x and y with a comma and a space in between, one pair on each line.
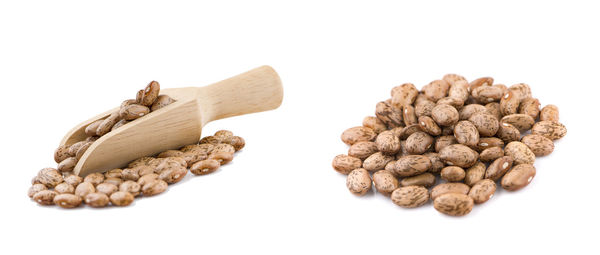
498, 168
377, 161
385, 182
549, 129
357, 134
482, 191
453, 204
518, 177
344, 164
539, 145
410, 196
520, 153
549, 113
426, 180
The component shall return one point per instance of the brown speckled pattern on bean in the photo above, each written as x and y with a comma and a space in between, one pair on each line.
451, 101
64, 188
119, 124
108, 123
482, 191
426, 180
391, 117
411, 165
485, 123
491, 154
487, 94
94, 178
362, 150
519, 152
508, 132
121, 198
449, 187
113, 180
409, 116
49, 177
518, 177
61, 153
419, 143
345, 164
404, 94
150, 93
146, 179
132, 112
444, 115
140, 161
205, 167
468, 110
67, 165
409, 130
466, 133
549, 113
436, 90
494, 109
161, 102
453, 204
443, 141
357, 134
488, 142
428, 125
385, 182
374, 123
459, 155
522, 122
154, 187
424, 108
45, 197
67, 200
539, 145
480, 82
84, 188
90, 130
82, 150
530, 106
498, 168
74, 147
452, 174
509, 104
358, 182
452, 78
387, 143
549, 129
170, 153
106, 188
173, 174
97, 199
130, 186
475, 173
410, 196
436, 162
459, 90
522, 90
35, 188
377, 161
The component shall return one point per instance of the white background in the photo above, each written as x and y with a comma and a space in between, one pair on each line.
62, 62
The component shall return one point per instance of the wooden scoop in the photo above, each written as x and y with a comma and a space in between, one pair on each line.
179, 123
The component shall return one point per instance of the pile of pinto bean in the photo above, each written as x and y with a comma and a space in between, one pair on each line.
452, 142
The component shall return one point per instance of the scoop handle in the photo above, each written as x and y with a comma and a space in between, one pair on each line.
254, 91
